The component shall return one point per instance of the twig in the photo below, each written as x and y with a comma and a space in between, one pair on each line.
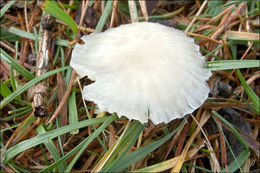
42, 62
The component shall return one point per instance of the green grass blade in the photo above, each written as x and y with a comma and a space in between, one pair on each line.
123, 7
253, 97
231, 64
83, 144
133, 11
9, 60
52, 148
62, 58
36, 43
62, 42
103, 18
19, 110
10, 127
22, 33
197, 167
54, 10
18, 168
59, 137
73, 7
227, 143
28, 85
6, 7
245, 39
241, 158
5, 91
235, 132
162, 16
126, 143
12, 79
44, 155
6, 35
73, 112
91, 2
17, 115
98, 131
228, 43
31, 36
24, 145
137, 155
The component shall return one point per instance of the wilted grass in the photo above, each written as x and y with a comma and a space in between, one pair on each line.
73, 138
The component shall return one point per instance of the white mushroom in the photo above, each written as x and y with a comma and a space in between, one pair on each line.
143, 70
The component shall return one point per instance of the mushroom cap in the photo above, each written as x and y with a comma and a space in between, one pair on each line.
143, 69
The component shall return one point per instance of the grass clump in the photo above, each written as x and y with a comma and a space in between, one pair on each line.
77, 139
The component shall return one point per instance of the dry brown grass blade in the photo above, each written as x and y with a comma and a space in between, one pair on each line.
105, 158
248, 81
133, 167
226, 49
9, 47
164, 166
182, 137
220, 14
85, 29
14, 138
213, 159
88, 163
181, 160
114, 14
21, 135
243, 35
83, 100
198, 13
112, 136
200, 144
132, 10
4, 69
202, 36
5, 168
84, 9
215, 105
64, 111
144, 9
173, 142
222, 146
246, 166
198, 3
64, 99
229, 18
252, 143
27, 24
